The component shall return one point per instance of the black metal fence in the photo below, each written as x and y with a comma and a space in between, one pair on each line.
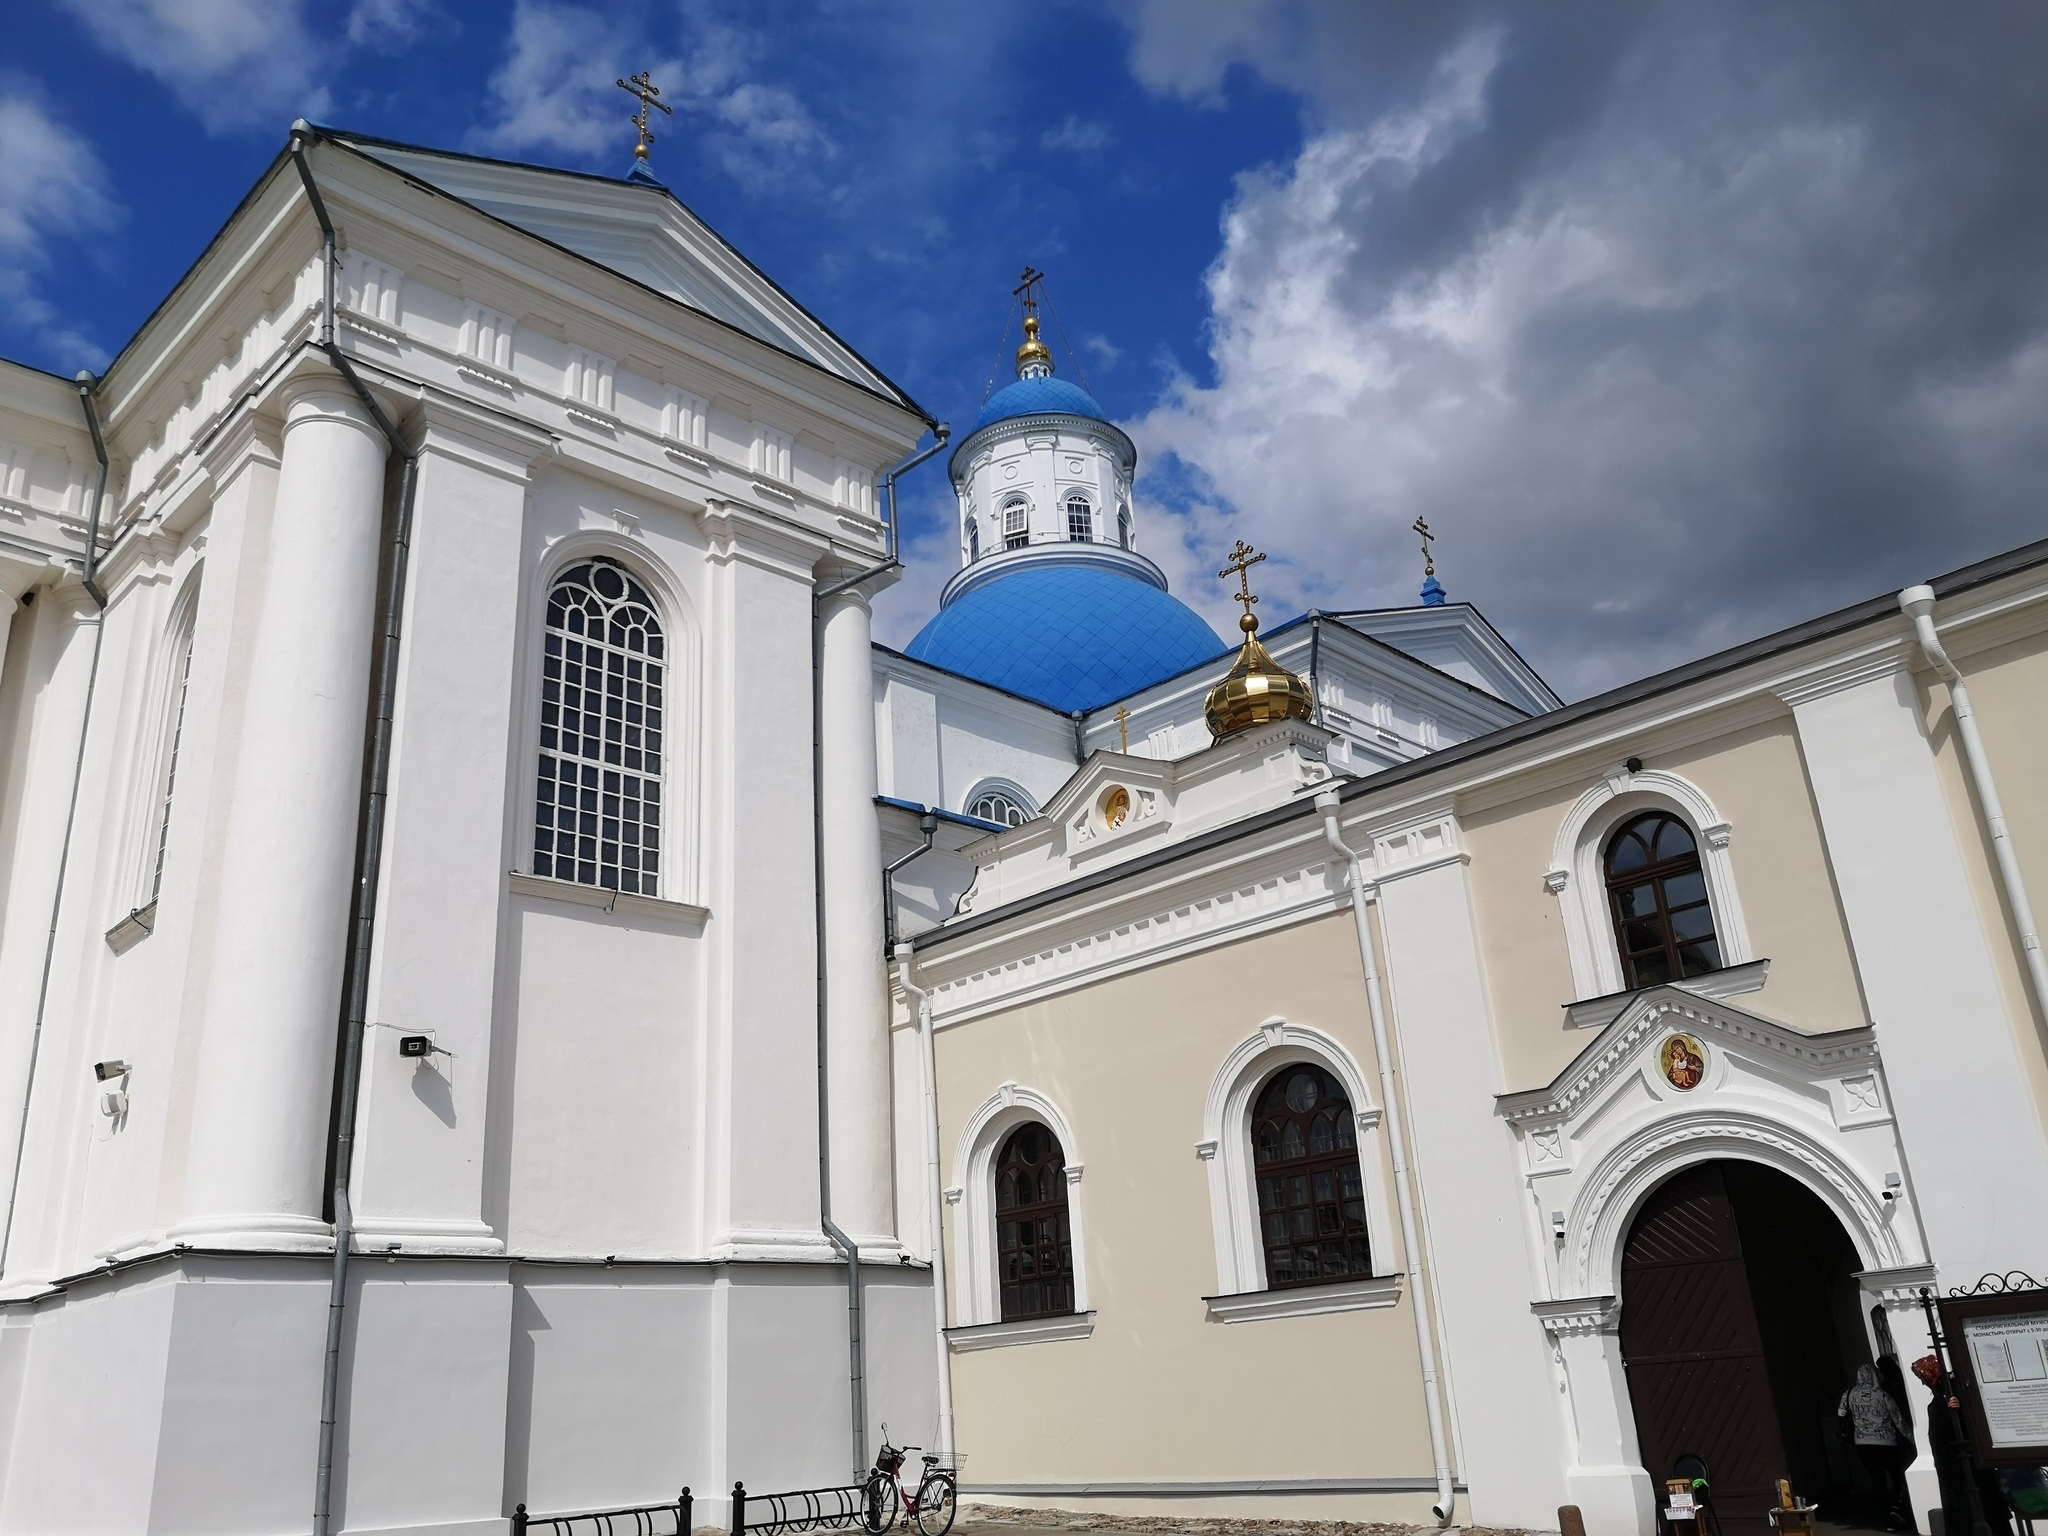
644, 1520
806, 1509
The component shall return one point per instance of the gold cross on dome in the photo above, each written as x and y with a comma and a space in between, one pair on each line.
1428, 560
1242, 559
650, 96
1028, 289
1123, 729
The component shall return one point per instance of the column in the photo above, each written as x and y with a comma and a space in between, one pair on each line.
1979, 1164
856, 990
256, 1165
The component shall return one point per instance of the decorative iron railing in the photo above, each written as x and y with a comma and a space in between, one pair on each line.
806, 1509
1999, 1285
643, 1520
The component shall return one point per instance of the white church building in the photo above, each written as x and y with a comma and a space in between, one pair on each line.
400, 838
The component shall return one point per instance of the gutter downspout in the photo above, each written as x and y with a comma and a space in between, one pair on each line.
936, 1193
856, 1346
1917, 603
370, 847
86, 385
928, 824
1390, 1108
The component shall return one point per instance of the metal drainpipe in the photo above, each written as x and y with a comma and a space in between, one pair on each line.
928, 824
370, 852
856, 1346
1315, 656
86, 385
1327, 803
1918, 605
935, 1190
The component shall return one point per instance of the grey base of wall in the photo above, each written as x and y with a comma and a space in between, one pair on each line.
1164, 1490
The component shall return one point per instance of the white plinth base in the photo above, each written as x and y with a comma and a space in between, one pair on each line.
1616, 1501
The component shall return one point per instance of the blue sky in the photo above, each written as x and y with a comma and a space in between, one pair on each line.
1679, 323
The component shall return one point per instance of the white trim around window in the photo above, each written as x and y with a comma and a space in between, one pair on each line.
1579, 882
977, 1292
1226, 1146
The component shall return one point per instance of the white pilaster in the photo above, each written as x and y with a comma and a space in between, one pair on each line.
1500, 1384
421, 1158
1979, 1162
856, 990
266, 1067
1605, 1476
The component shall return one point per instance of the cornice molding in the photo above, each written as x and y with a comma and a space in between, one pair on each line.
1886, 659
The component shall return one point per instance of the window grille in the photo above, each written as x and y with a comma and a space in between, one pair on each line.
597, 818
1311, 1191
1034, 1242
1016, 523
163, 827
1658, 897
1080, 520
1003, 806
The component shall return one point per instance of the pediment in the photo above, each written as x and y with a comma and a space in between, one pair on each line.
642, 232
1631, 1045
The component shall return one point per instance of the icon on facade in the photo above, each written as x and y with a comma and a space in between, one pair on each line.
1684, 1061
1116, 810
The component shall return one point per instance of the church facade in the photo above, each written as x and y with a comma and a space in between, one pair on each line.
456, 1056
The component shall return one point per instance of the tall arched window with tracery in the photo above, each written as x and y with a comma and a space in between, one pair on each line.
1658, 895
1016, 522
1311, 1189
1080, 520
1034, 1241
597, 816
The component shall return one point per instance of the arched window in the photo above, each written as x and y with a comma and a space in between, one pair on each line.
597, 818
1311, 1191
1016, 523
1123, 527
1080, 520
1658, 896
973, 537
1034, 1246
181, 684
1004, 804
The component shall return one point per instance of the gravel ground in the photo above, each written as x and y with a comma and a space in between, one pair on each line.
1006, 1518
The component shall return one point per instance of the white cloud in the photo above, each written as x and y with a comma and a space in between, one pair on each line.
50, 190
392, 26
1079, 135
231, 63
556, 90
1724, 340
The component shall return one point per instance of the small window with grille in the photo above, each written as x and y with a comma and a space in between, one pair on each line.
1003, 804
1311, 1190
1016, 523
1080, 520
597, 815
1034, 1244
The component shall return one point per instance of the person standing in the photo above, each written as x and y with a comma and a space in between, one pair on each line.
1884, 1439
1944, 1443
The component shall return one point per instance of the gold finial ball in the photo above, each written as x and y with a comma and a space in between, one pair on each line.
1248, 624
1034, 352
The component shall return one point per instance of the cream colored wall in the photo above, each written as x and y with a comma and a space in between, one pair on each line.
1159, 1393
1754, 776
2008, 683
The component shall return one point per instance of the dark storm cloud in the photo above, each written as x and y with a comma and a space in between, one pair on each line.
1678, 322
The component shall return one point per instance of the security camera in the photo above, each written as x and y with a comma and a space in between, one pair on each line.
415, 1045
104, 1070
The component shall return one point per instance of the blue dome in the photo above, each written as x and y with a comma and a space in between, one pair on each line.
1038, 397
1069, 636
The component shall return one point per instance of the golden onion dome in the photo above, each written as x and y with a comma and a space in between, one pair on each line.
1034, 353
1258, 690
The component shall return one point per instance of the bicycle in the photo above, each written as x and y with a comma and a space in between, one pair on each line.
931, 1507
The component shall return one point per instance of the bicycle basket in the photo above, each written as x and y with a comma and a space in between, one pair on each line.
947, 1461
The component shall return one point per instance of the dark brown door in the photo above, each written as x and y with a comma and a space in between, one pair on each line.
1695, 1358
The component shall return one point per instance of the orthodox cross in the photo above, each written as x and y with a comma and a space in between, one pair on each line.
650, 96
1028, 290
1123, 729
1428, 560
1242, 559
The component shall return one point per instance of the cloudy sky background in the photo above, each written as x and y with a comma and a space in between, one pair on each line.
1679, 323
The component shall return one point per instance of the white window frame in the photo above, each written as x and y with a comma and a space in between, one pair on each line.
681, 879
1226, 1146
1067, 508
1578, 878
1021, 504
169, 700
1005, 787
977, 1289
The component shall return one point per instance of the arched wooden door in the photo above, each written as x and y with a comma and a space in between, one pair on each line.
1695, 1355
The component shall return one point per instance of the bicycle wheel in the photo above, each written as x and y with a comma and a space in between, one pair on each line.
937, 1502
879, 1503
